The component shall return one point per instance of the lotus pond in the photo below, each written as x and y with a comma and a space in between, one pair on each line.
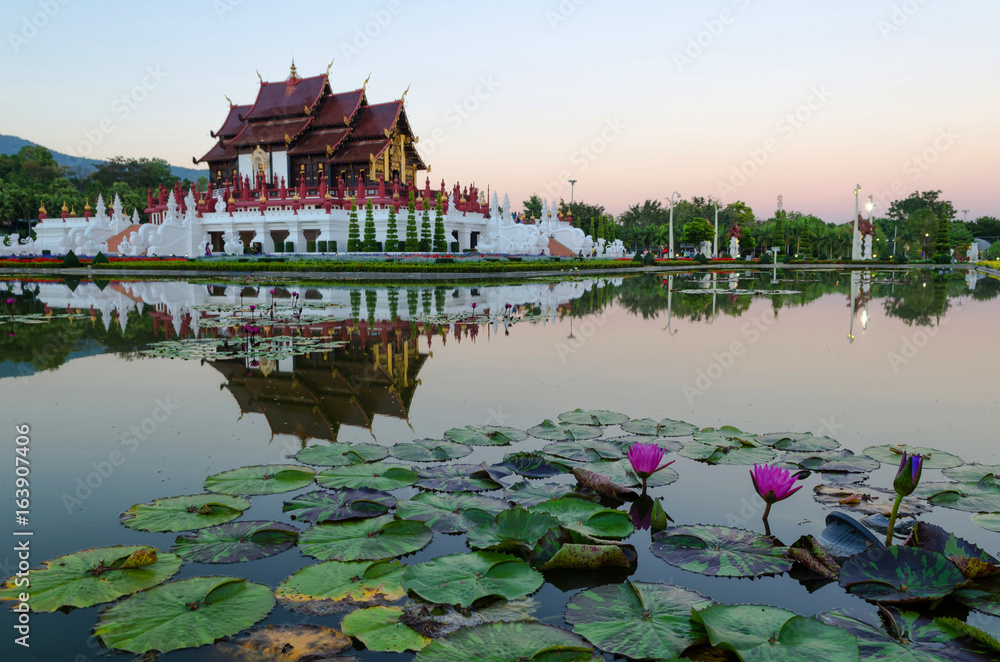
267, 470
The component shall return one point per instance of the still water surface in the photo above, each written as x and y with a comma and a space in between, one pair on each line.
866, 358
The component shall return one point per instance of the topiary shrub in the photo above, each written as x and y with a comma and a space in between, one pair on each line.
787, 258
700, 258
637, 258
71, 260
649, 260
100, 258
941, 258
900, 259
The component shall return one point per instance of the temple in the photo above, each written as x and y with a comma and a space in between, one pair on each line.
291, 172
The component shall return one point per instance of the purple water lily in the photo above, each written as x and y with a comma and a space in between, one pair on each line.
773, 484
907, 477
645, 460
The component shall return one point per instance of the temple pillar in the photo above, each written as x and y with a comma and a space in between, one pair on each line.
298, 237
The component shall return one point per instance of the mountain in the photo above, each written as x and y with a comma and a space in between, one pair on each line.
13, 144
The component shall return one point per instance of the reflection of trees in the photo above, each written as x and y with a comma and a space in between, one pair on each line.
922, 299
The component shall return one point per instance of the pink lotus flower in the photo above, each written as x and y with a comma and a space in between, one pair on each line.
645, 460
10, 302
773, 484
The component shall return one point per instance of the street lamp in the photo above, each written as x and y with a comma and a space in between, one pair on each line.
856, 244
870, 206
572, 188
715, 237
671, 200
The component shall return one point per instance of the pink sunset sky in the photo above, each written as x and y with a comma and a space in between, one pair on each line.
737, 99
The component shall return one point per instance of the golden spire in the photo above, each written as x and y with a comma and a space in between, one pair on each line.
87, 206
72, 212
292, 73
231, 200
41, 207
64, 207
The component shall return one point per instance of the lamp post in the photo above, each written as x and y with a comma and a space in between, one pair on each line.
572, 189
870, 206
856, 243
715, 237
671, 199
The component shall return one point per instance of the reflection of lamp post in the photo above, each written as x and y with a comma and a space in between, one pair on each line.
675, 193
571, 336
670, 306
572, 189
856, 244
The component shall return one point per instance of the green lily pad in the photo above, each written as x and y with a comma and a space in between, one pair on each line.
451, 513
287, 643
236, 542
668, 444
665, 427
721, 551
983, 595
338, 505
637, 619
972, 473
441, 620
509, 642
485, 435
583, 451
380, 629
621, 473
457, 478
598, 417
337, 586
935, 539
90, 577
841, 461
734, 450
184, 614
926, 639
529, 493
376, 476
429, 450
981, 497
512, 531
269, 479
564, 431
892, 454
773, 438
184, 513
727, 435
462, 579
377, 538
808, 445
900, 575
341, 454
989, 521
586, 517
533, 465
769, 634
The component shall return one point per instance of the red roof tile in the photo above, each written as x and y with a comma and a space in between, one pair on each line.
269, 133
374, 121
282, 99
360, 152
233, 125
318, 141
333, 108
218, 153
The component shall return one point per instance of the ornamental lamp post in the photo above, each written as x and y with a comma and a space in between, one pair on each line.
671, 200
572, 189
870, 206
715, 237
856, 243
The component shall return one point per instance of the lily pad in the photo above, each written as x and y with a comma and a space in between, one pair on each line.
971, 560
768, 634
665, 427
375, 476
378, 538
341, 454
842, 461
509, 642
808, 445
533, 465
513, 531
457, 478
462, 579
287, 643
91, 577
339, 505
485, 435
981, 497
603, 485
733, 450
598, 417
668, 444
893, 453
621, 473
990, 521
972, 473
925, 640
564, 431
268, 479
184, 513
380, 629
530, 493
451, 513
336, 586
983, 595
727, 435
900, 575
583, 451
637, 619
429, 450
773, 438
721, 551
436, 621
865, 500
586, 517
184, 614
236, 542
